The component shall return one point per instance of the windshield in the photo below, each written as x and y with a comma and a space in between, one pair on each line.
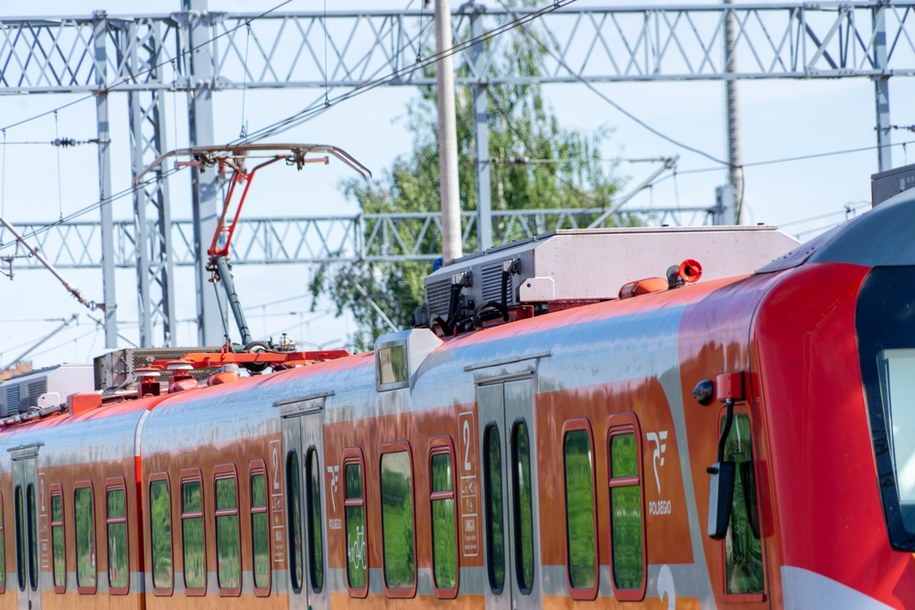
896, 368
885, 324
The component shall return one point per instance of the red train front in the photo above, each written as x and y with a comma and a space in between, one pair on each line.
543, 438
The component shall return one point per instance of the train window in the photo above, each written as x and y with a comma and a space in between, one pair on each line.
626, 530
2, 547
522, 499
492, 488
260, 531
742, 548
116, 521
581, 526
391, 366
313, 520
58, 551
33, 537
397, 531
444, 526
294, 499
228, 545
20, 538
192, 538
160, 527
356, 536
84, 531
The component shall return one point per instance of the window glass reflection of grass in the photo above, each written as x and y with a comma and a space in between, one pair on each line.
118, 571
260, 531
228, 548
85, 537
444, 542
356, 542
192, 535
743, 552
161, 525
397, 520
57, 540
626, 512
579, 495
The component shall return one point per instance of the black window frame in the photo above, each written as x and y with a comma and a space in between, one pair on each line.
519, 532
314, 519
3, 564
294, 520
21, 543
494, 558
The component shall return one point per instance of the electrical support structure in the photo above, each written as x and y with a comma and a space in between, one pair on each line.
149, 56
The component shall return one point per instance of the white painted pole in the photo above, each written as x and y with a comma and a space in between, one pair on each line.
735, 152
447, 136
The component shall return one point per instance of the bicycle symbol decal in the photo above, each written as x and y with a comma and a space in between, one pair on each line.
357, 552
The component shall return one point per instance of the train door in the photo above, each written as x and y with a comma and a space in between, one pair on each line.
25, 514
303, 423
508, 451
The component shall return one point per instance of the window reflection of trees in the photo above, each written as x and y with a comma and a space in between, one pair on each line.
161, 533
85, 537
397, 520
444, 542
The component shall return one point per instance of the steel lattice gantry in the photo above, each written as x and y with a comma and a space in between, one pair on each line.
146, 56
366, 237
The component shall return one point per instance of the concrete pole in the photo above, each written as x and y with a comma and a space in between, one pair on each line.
481, 133
735, 153
100, 36
452, 247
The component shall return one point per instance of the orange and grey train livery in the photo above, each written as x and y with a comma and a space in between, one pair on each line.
745, 441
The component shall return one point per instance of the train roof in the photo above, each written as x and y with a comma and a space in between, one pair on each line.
877, 238
852, 242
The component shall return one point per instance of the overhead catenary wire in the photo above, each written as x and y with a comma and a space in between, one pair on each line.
793, 159
455, 49
312, 111
91, 207
34, 252
557, 58
851, 207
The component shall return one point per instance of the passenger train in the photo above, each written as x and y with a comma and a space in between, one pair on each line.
564, 428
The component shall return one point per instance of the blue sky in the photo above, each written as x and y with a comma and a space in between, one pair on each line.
779, 120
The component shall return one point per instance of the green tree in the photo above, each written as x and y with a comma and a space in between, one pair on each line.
536, 164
